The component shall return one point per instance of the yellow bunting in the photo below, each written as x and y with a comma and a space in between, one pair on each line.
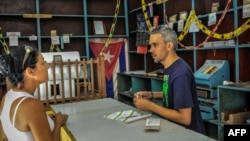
192, 18
4, 44
112, 29
145, 13
160, 1
187, 25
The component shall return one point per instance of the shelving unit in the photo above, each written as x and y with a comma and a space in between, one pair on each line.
195, 57
73, 17
68, 17
139, 61
232, 97
129, 84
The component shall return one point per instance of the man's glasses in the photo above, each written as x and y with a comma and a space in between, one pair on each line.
28, 49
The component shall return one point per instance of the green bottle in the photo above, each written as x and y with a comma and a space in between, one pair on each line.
165, 89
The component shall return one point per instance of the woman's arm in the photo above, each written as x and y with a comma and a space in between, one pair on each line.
4, 138
32, 113
60, 120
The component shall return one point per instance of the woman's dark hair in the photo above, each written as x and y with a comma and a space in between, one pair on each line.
13, 65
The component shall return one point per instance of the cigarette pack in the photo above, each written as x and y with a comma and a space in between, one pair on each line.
153, 124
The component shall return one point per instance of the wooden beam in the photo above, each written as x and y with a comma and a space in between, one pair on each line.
46, 16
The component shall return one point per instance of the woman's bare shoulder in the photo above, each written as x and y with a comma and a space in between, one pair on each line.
32, 105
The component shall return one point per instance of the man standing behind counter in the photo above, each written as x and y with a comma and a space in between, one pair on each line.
180, 102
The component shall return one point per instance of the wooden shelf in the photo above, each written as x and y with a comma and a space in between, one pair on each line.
68, 17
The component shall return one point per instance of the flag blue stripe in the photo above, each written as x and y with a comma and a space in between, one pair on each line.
122, 59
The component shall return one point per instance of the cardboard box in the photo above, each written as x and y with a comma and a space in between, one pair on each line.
234, 116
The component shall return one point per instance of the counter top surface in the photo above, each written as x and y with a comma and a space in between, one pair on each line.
87, 123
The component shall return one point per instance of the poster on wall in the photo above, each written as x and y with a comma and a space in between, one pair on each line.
246, 11
13, 38
141, 23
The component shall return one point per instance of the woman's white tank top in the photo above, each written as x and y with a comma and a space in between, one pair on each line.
12, 133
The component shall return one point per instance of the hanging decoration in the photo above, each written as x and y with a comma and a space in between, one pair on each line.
54, 48
3, 43
203, 28
112, 29
145, 13
211, 33
54, 42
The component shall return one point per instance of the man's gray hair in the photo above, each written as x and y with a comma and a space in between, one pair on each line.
167, 33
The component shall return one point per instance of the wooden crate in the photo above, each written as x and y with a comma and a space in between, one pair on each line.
234, 116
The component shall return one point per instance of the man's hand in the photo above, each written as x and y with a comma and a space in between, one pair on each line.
144, 95
142, 100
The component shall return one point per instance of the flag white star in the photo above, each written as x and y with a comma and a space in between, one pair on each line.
108, 56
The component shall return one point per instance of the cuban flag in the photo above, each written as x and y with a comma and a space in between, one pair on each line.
115, 61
